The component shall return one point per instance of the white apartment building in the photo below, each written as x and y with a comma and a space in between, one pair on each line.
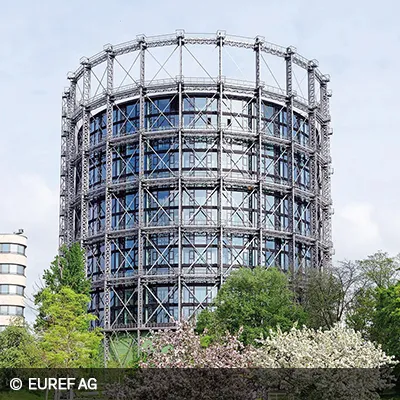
12, 276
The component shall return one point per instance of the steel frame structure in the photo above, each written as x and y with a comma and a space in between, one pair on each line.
98, 217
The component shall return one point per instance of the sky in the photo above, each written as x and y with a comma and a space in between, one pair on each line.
356, 42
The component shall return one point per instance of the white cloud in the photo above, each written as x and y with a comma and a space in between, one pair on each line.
357, 233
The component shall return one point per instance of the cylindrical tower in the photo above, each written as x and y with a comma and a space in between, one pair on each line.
12, 277
174, 171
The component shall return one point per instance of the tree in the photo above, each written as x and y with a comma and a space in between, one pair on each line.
346, 291
19, 347
328, 294
380, 270
338, 347
376, 306
362, 310
329, 364
66, 340
63, 321
322, 299
385, 327
254, 300
182, 348
305, 363
68, 269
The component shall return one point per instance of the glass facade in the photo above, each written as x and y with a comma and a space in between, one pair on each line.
205, 220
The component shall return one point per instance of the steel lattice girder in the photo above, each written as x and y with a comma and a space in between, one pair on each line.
168, 203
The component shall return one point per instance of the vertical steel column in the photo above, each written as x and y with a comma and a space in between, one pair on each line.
142, 42
108, 201
85, 153
63, 169
291, 161
313, 160
220, 43
258, 95
180, 36
71, 168
326, 172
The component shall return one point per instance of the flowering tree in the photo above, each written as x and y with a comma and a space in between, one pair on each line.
338, 347
305, 363
183, 348
332, 364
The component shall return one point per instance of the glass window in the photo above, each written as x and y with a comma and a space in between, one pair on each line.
163, 105
200, 292
268, 111
201, 103
12, 310
12, 289
188, 104
12, 248
5, 248
132, 110
13, 269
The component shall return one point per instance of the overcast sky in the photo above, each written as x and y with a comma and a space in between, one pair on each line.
356, 42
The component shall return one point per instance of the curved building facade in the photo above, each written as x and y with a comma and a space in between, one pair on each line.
12, 277
172, 182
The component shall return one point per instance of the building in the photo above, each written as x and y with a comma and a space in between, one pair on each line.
174, 171
12, 276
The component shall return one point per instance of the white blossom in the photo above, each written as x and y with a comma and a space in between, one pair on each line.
339, 347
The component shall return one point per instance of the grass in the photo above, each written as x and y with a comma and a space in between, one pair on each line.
21, 395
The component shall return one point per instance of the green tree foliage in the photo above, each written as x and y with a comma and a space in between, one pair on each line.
362, 311
375, 311
19, 347
68, 269
385, 327
376, 314
256, 299
63, 321
380, 270
67, 341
